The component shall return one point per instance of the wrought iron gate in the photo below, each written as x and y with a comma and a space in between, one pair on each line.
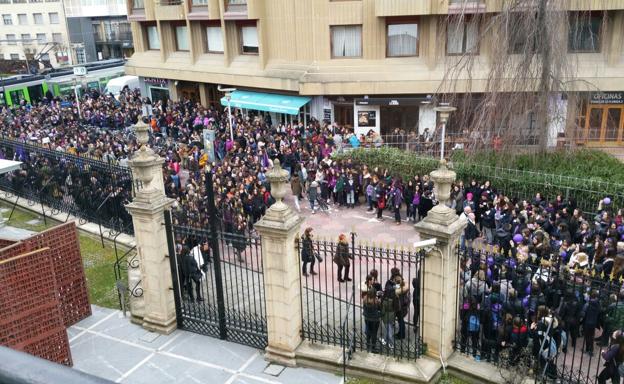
218, 283
333, 308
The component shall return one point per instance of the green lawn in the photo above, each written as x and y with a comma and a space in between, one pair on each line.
98, 261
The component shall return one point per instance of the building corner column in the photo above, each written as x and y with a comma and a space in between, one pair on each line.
440, 273
279, 229
156, 311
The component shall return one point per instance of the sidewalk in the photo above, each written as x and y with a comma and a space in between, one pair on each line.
107, 345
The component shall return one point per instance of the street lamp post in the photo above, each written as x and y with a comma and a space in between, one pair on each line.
228, 97
445, 111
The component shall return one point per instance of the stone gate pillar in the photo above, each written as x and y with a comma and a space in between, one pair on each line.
282, 281
441, 268
156, 312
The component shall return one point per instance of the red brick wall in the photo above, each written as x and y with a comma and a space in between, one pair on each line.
30, 310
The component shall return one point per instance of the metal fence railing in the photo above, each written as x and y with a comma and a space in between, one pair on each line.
387, 323
88, 188
542, 317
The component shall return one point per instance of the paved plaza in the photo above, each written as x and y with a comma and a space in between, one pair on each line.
342, 220
107, 345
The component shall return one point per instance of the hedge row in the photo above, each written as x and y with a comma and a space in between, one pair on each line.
516, 183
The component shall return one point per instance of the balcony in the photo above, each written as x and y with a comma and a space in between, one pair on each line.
198, 9
386, 8
114, 37
170, 10
466, 6
235, 10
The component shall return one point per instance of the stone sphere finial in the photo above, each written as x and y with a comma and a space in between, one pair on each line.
141, 130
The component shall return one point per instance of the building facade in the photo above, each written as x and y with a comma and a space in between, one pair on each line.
34, 31
370, 64
98, 29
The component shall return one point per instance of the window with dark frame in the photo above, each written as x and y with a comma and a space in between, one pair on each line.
584, 33
401, 38
520, 35
214, 38
248, 37
181, 37
462, 36
151, 37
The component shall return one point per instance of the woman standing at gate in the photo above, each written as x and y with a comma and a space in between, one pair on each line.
307, 252
341, 258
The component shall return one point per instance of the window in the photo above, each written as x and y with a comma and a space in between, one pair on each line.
462, 36
14, 56
22, 19
41, 38
7, 19
35, 1
584, 34
45, 57
138, 4
25, 38
402, 40
81, 57
346, 40
182, 40
200, 2
57, 38
11, 38
214, 39
5, 1
38, 17
153, 40
521, 34
54, 17
249, 40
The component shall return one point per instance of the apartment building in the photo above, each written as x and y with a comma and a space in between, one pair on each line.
370, 64
98, 29
32, 30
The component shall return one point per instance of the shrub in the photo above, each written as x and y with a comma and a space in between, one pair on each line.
521, 182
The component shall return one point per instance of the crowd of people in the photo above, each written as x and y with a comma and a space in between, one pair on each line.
556, 274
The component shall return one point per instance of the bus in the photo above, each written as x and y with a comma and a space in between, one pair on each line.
33, 88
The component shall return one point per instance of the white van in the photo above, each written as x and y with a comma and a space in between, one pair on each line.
115, 85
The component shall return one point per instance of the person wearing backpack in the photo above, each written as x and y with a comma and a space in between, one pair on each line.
570, 313
519, 339
492, 324
389, 307
544, 344
402, 293
614, 362
614, 317
371, 308
473, 326
591, 317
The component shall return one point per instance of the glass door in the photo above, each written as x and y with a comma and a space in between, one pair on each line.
612, 124
594, 124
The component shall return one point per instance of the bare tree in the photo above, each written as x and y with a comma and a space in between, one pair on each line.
515, 77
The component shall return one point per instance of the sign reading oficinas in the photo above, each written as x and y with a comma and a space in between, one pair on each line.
607, 98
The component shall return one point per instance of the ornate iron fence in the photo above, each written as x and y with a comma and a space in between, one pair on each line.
388, 323
219, 284
542, 318
88, 188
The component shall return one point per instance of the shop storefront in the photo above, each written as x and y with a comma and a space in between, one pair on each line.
282, 108
156, 89
384, 114
601, 119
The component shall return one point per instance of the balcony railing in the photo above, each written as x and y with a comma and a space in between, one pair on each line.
235, 9
111, 37
169, 2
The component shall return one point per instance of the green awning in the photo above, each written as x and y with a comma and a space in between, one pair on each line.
269, 102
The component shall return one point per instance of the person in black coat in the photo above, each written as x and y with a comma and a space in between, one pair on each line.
191, 274
425, 204
591, 318
307, 252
